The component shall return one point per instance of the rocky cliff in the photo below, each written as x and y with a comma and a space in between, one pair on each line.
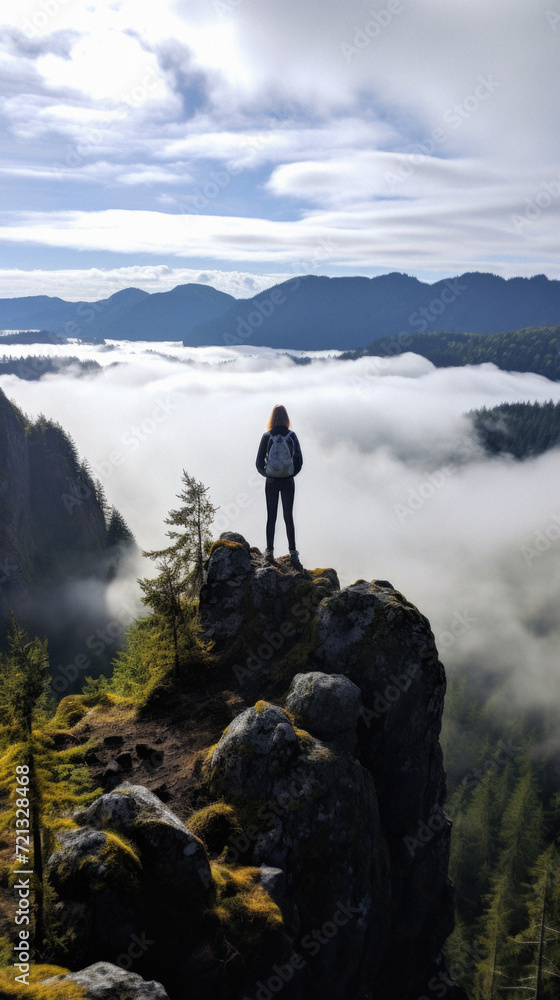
55, 531
312, 860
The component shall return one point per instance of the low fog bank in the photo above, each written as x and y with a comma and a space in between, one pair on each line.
394, 485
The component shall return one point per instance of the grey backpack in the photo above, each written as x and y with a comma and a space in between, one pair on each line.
280, 459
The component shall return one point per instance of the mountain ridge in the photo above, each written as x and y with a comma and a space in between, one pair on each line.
120, 316
318, 313
307, 312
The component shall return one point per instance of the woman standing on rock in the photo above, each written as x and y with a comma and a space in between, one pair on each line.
279, 459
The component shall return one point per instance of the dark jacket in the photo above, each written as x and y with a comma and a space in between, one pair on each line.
266, 441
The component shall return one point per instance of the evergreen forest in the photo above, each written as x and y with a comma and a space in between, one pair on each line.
532, 349
519, 429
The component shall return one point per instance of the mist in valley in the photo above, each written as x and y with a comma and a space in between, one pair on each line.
395, 485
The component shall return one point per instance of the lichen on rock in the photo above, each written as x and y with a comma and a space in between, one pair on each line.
103, 981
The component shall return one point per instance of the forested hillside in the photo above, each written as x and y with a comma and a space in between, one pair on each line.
33, 367
519, 429
503, 777
532, 349
58, 535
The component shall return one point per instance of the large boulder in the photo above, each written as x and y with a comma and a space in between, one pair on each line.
96, 878
103, 981
310, 812
130, 883
221, 598
328, 705
177, 858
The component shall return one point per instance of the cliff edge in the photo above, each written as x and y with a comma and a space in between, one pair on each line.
314, 863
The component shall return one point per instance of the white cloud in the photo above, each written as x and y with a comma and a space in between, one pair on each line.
436, 125
450, 236
451, 535
98, 283
250, 147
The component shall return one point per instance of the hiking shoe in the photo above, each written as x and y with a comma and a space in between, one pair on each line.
269, 555
294, 559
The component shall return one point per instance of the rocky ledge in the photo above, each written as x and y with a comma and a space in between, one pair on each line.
318, 866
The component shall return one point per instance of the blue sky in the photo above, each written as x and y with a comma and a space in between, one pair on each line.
238, 142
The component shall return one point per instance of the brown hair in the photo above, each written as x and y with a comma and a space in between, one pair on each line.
278, 417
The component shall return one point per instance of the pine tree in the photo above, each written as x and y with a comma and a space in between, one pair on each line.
54, 780
539, 942
186, 553
164, 595
118, 532
521, 841
25, 675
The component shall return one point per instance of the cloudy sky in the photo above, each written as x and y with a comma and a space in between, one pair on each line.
240, 141
393, 487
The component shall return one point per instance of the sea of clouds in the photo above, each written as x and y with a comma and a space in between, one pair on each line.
394, 484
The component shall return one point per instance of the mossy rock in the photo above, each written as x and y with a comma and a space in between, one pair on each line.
224, 543
90, 859
37, 989
70, 711
214, 826
248, 916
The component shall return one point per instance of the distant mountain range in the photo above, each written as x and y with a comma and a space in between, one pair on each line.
305, 313
130, 314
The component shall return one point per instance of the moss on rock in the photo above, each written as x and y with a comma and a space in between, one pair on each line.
214, 825
37, 989
70, 711
246, 913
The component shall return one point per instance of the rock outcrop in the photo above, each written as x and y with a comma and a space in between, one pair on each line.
128, 869
310, 811
283, 634
316, 864
103, 981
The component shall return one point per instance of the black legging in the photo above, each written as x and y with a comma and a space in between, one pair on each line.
275, 487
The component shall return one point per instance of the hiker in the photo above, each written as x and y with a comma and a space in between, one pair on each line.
279, 459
